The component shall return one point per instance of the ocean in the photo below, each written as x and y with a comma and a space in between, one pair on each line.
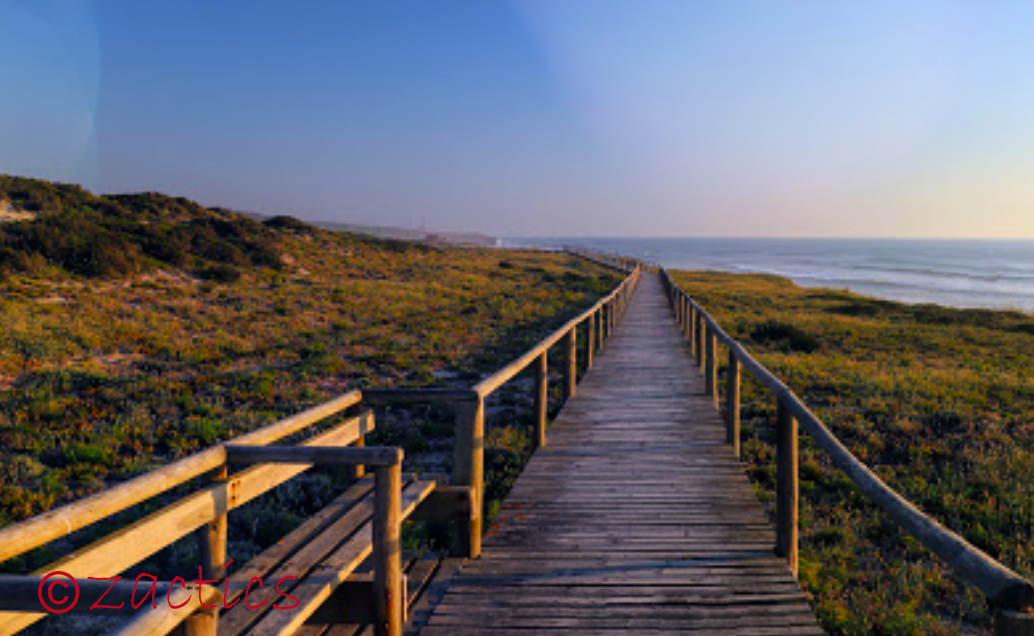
994, 274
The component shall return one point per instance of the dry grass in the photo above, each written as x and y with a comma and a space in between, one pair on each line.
122, 375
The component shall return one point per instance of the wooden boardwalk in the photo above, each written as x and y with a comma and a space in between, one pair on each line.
636, 518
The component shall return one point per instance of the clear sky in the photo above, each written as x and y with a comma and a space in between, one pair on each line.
539, 117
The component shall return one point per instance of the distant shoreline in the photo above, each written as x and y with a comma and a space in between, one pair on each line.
956, 273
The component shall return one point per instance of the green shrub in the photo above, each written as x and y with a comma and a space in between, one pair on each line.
87, 454
219, 273
288, 223
784, 336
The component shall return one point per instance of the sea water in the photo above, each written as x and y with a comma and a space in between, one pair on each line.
996, 274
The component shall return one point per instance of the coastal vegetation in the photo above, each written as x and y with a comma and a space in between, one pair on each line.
939, 402
141, 328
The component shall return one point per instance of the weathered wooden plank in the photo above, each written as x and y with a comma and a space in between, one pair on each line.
636, 517
335, 617
327, 456
421, 609
329, 573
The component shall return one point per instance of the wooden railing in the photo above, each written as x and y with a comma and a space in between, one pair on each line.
596, 322
1010, 595
204, 512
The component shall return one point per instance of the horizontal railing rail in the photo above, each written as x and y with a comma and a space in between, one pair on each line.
1010, 595
615, 303
62, 521
204, 512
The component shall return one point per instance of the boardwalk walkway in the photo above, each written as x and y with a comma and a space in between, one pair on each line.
636, 518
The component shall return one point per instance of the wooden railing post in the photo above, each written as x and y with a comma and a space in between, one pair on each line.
594, 319
701, 332
732, 403
1013, 623
356, 472
590, 341
211, 538
786, 487
711, 365
600, 335
692, 330
571, 366
469, 470
687, 321
387, 549
541, 398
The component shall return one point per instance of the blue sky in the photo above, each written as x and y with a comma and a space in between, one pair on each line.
573, 117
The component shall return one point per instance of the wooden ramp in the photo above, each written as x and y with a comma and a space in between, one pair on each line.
636, 518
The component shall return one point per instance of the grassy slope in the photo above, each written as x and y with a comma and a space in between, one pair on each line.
105, 375
939, 401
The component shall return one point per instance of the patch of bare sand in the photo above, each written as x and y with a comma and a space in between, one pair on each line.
52, 300
119, 360
9, 213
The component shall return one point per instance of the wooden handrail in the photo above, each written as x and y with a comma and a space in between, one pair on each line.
59, 522
319, 455
490, 384
127, 546
393, 396
616, 262
1004, 588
